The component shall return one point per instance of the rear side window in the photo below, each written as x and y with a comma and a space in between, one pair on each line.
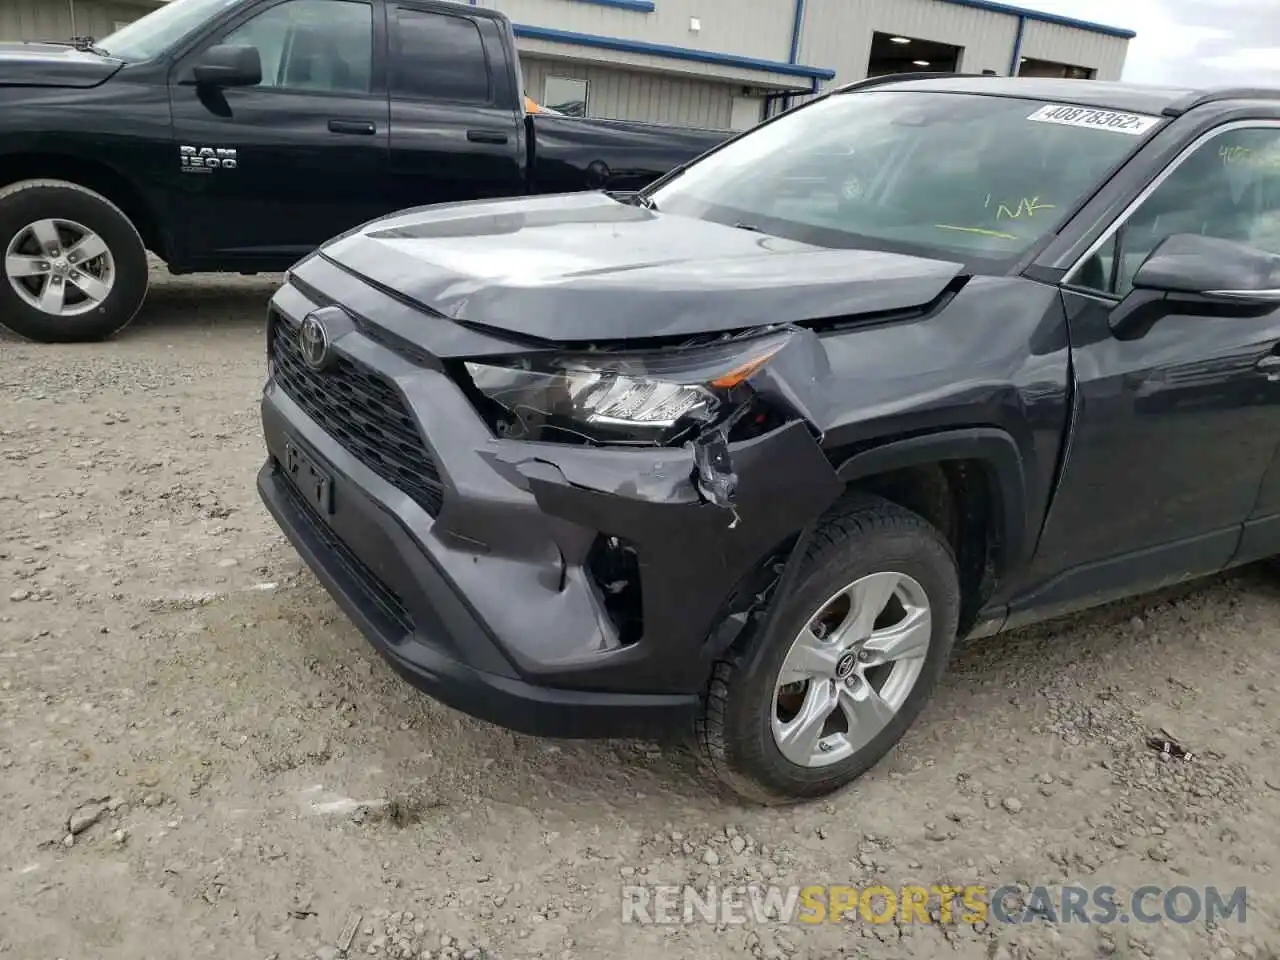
438, 57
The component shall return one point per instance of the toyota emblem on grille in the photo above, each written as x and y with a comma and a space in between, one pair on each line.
313, 342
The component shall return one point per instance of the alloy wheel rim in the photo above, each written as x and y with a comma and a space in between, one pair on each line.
851, 668
60, 267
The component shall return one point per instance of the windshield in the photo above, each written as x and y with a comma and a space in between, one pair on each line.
934, 173
160, 29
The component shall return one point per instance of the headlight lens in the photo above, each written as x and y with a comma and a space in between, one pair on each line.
635, 397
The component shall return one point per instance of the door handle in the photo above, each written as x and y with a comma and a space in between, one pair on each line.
487, 136
1270, 366
362, 128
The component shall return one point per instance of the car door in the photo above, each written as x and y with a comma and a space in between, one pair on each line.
1175, 422
309, 143
457, 126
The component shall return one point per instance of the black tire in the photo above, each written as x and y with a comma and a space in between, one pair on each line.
29, 201
862, 535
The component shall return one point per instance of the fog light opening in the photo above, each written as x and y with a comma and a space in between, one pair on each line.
613, 564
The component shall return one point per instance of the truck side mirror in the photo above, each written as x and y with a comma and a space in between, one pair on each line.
229, 65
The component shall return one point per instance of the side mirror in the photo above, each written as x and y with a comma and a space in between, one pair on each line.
1223, 270
229, 65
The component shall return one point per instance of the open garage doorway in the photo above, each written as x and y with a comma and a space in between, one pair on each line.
891, 53
1027, 67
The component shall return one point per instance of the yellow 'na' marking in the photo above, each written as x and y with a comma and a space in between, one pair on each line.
1027, 205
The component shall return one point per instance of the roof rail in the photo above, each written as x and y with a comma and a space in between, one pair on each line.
1201, 97
901, 78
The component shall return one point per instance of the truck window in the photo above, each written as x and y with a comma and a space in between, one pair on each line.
567, 95
438, 57
313, 45
161, 29
1228, 188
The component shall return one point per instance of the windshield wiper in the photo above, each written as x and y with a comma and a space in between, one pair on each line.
641, 200
747, 226
87, 45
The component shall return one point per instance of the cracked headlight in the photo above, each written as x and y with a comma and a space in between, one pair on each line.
652, 397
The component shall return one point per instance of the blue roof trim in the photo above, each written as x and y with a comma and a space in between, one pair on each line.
635, 6
992, 7
673, 53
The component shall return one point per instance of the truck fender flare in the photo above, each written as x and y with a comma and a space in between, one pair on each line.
993, 447
122, 190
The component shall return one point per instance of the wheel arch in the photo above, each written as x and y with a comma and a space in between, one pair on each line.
96, 176
970, 481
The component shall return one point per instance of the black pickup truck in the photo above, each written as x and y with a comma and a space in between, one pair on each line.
239, 135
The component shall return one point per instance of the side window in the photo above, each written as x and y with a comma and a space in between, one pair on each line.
1228, 188
568, 95
438, 57
314, 45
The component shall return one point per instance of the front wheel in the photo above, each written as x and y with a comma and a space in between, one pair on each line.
854, 653
75, 269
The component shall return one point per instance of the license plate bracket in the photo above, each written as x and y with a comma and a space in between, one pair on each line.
311, 481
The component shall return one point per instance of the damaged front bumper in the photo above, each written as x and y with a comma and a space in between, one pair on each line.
553, 589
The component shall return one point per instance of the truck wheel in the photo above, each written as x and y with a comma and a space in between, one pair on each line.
75, 269
854, 653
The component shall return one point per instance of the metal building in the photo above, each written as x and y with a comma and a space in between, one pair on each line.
732, 62
60, 19
720, 63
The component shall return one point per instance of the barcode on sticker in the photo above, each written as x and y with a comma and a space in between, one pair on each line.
1134, 124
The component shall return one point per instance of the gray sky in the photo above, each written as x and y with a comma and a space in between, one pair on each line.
1194, 42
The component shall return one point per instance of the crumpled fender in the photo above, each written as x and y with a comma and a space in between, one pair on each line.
692, 553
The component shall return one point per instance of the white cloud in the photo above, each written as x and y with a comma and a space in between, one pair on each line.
1187, 42
1249, 59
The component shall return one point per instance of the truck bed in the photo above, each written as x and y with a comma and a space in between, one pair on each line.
570, 153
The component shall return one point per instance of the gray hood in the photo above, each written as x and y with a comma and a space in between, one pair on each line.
53, 65
579, 267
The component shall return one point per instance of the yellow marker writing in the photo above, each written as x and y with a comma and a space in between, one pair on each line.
1239, 154
1028, 206
979, 230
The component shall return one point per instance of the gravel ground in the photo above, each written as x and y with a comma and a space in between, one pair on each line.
197, 745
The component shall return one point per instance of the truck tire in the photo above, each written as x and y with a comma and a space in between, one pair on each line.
75, 268
807, 705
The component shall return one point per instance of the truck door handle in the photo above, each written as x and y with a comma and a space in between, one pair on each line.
487, 136
359, 127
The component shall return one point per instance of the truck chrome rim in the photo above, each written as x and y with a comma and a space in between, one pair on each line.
60, 267
851, 668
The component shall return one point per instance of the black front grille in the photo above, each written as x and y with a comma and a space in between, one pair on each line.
363, 412
375, 589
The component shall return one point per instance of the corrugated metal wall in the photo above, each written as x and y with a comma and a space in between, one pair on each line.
748, 28
648, 62
837, 33
627, 95
1080, 48
51, 19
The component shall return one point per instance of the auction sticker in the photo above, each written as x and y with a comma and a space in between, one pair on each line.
1134, 124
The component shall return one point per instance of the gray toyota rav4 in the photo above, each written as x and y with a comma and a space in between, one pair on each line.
745, 452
